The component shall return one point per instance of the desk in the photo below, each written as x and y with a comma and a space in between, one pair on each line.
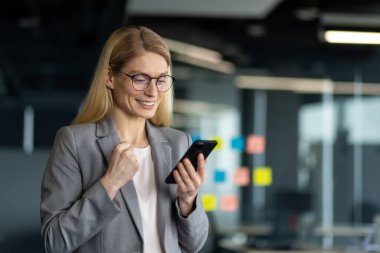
342, 231
239, 245
296, 251
241, 248
249, 230
266, 229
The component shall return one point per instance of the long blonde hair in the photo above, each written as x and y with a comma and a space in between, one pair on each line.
122, 46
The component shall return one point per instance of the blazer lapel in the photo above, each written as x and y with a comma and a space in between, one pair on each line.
108, 139
162, 160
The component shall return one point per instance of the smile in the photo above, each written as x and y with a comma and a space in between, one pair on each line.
146, 103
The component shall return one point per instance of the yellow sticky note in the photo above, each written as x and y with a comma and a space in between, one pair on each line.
209, 202
229, 203
219, 141
262, 176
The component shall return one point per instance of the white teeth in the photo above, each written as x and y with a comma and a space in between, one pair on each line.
147, 103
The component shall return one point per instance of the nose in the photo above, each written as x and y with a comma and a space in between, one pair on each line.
152, 89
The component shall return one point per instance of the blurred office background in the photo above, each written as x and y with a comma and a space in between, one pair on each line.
297, 116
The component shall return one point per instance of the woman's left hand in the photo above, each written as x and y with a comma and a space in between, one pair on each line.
189, 180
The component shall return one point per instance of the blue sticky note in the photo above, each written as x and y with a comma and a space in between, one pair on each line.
238, 143
195, 137
219, 176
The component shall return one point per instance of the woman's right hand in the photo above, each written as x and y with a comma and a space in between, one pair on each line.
122, 166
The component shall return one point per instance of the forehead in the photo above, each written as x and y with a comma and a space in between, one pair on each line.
149, 63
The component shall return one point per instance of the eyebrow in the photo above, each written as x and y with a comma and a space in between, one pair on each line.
142, 72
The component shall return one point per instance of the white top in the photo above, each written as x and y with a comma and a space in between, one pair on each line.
145, 184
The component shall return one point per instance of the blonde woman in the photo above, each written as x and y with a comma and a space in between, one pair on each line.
103, 189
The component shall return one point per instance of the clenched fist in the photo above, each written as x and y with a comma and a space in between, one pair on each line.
122, 167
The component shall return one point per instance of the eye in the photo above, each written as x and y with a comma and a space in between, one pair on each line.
141, 79
162, 80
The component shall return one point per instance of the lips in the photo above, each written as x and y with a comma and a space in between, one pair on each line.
147, 103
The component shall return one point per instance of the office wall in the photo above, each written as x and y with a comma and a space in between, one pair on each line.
20, 182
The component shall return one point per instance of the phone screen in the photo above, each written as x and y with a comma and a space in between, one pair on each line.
200, 146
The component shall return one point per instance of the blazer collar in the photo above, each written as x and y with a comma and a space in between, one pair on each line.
105, 127
107, 141
162, 160
154, 133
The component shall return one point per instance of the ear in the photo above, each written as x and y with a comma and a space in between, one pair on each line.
110, 79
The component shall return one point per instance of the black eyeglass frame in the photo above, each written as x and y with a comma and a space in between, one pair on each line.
150, 81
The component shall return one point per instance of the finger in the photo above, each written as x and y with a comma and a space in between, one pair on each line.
179, 180
183, 187
191, 172
183, 173
201, 169
130, 152
122, 146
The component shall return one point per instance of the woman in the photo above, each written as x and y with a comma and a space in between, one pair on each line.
103, 189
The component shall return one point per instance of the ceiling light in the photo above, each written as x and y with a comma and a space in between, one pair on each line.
303, 85
224, 66
199, 56
193, 107
352, 37
193, 51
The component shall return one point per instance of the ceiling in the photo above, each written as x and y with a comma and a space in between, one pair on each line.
51, 46
272, 37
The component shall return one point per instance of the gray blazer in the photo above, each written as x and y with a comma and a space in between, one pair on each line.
77, 214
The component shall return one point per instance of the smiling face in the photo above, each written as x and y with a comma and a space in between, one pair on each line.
133, 103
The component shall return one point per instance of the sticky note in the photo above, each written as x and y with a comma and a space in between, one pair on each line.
209, 202
262, 176
219, 176
241, 176
238, 143
229, 203
195, 137
255, 144
220, 142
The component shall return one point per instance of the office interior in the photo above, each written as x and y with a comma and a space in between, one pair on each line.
295, 110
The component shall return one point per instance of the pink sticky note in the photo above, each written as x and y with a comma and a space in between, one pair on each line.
229, 203
255, 144
241, 176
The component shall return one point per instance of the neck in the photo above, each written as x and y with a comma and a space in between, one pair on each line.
131, 129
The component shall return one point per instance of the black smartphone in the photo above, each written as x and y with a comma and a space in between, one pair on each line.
199, 146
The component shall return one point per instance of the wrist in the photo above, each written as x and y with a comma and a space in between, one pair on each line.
186, 205
110, 187
187, 201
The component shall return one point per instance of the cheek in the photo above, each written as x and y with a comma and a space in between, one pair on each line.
160, 98
123, 95
130, 101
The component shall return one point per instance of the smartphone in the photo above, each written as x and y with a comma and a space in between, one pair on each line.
199, 146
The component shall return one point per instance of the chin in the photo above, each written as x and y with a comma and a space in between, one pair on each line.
147, 115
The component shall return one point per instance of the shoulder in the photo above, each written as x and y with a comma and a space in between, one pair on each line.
77, 131
173, 135
81, 128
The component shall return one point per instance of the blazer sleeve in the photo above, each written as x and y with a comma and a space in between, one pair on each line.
70, 216
192, 230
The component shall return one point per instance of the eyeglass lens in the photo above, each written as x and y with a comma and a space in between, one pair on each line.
142, 81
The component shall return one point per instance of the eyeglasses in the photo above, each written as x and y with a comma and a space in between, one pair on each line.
141, 82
